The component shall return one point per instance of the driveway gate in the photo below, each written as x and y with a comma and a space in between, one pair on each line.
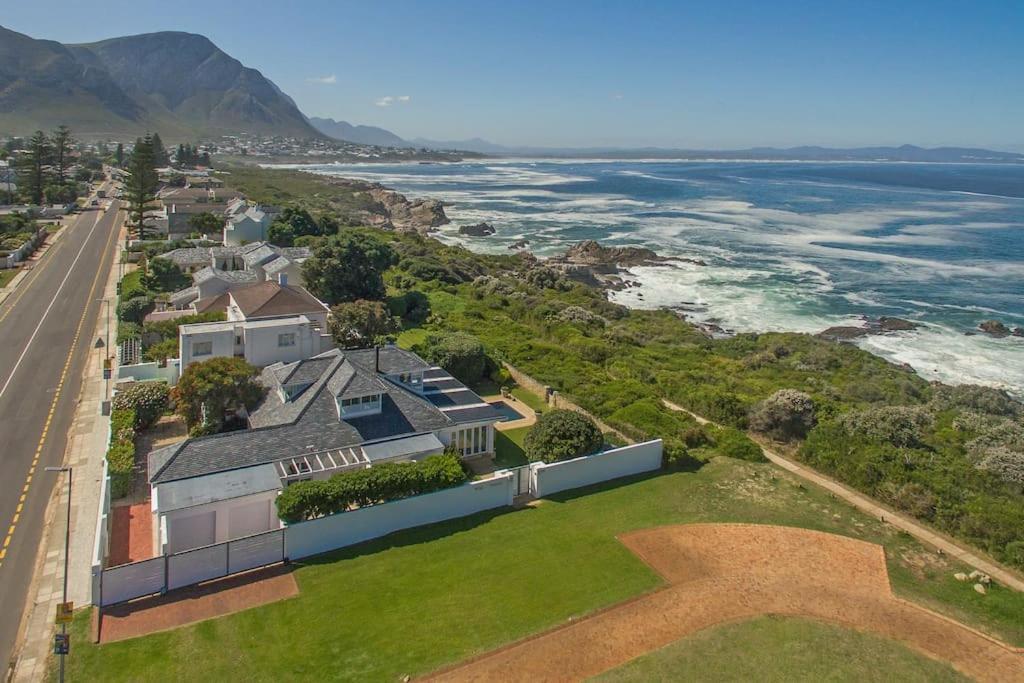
522, 481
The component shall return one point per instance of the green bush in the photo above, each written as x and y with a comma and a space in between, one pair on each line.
785, 415
148, 400
121, 454
371, 486
131, 286
562, 435
733, 443
459, 353
135, 309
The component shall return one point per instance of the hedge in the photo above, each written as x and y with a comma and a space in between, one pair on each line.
121, 454
360, 488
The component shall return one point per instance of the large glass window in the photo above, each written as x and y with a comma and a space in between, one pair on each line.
202, 348
286, 339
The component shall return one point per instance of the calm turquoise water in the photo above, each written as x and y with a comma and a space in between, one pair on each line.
789, 246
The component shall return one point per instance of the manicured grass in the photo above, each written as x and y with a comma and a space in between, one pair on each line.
6, 275
529, 398
783, 649
411, 337
427, 597
508, 447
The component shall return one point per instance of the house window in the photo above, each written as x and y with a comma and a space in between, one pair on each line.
202, 348
286, 339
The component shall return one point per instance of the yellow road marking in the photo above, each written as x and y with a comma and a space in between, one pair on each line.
116, 229
33, 274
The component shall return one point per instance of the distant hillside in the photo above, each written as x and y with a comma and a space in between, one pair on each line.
364, 135
178, 83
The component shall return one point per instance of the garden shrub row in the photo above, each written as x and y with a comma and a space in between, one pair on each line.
359, 488
121, 453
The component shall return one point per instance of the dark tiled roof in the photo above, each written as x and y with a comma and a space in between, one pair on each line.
310, 421
393, 360
462, 397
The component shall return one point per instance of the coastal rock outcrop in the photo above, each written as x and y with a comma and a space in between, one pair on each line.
519, 244
596, 265
994, 328
391, 210
882, 325
477, 229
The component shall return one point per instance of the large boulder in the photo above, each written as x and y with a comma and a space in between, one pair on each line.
477, 230
994, 328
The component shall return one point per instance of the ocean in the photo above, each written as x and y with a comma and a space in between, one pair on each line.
788, 246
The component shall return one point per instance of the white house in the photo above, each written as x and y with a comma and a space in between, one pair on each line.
248, 226
268, 322
337, 411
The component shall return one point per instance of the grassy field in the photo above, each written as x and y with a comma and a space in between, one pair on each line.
530, 399
783, 649
6, 275
423, 598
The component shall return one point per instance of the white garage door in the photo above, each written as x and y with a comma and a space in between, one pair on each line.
248, 519
194, 531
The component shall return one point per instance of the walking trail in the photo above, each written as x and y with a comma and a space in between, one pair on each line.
718, 573
873, 508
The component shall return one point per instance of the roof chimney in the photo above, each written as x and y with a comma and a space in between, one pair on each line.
376, 358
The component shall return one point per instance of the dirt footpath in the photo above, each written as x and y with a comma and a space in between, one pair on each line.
720, 573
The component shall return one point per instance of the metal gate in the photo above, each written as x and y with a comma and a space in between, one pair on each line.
522, 482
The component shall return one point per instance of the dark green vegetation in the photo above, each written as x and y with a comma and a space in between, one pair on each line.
44, 164
142, 183
460, 354
462, 587
359, 488
783, 649
348, 266
562, 435
210, 391
361, 324
121, 452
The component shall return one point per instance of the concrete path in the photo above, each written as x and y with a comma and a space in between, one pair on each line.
86, 439
875, 509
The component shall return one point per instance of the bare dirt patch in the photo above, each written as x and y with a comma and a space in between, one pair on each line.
720, 573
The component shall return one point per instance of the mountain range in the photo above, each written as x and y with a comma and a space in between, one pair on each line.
179, 84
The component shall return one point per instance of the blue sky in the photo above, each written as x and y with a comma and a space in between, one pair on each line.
558, 73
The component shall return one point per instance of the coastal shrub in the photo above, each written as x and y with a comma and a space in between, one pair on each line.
1005, 464
348, 266
459, 353
714, 403
135, 309
786, 415
562, 435
412, 307
896, 425
733, 443
371, 486
577, 315
987, 400
148, 400
362, 324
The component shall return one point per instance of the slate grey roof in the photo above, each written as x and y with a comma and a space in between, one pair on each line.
184, 296
393, 360
237, 275
276, 264
309, 422
261, 254
188, 256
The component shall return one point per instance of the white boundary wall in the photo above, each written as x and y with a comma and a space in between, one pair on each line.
101, 544
348, 528
592, 469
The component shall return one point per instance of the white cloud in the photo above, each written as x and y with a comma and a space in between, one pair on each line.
388, 100
323, 80
617, 96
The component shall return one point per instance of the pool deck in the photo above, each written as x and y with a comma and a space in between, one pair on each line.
529, 416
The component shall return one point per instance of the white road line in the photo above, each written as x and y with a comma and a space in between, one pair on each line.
52, 301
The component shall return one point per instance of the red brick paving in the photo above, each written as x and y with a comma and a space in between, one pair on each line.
131, 534
197, 603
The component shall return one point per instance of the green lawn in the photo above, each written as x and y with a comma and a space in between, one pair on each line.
783, 649
508, 447
529, 398
6, 275
423, 598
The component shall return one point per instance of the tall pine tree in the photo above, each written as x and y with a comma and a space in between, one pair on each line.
34, 168
160, 156
62, 142
141, 186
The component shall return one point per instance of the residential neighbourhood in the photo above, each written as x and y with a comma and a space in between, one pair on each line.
622, 398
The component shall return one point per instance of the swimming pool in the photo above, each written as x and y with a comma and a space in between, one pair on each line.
507, 412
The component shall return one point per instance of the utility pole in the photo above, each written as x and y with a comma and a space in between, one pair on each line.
62, 642
106, 379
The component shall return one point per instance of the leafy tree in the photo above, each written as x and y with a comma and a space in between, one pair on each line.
208, 390
149, 400
163, 275
290, 224
141, 185
162, 350
562, 435
280, 233
134, 310
347, 267
206, 222
119, 154
34, 168
361, 324
459, 353
785, 415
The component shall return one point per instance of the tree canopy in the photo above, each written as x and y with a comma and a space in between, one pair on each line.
207, 391
562, 435
362, 324
141, 184
459, 353
347, 267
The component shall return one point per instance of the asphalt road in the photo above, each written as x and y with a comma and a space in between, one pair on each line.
46, 332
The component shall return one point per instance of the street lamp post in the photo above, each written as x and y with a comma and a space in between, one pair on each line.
67, 547
106, 380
